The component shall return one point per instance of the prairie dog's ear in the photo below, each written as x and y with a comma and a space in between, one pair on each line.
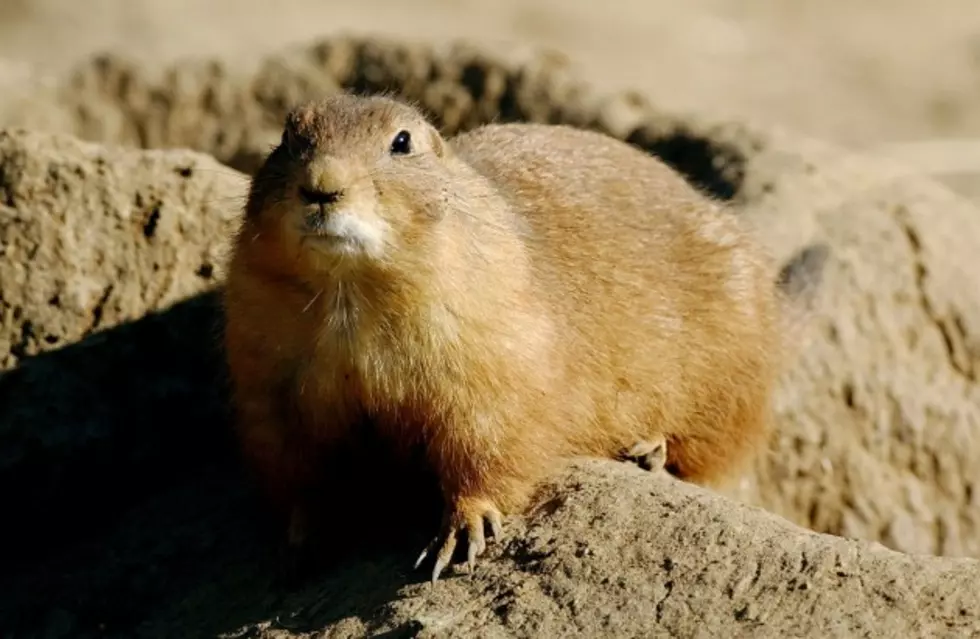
286, 141
438, 144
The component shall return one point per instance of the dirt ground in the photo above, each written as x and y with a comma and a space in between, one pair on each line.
861, 73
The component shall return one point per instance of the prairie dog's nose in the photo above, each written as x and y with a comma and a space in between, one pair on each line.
326, 180
320, 198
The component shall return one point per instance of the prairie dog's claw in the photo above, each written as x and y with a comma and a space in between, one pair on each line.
468, 518
425, 553
649, 454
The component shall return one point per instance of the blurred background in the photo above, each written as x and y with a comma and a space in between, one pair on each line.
859, 73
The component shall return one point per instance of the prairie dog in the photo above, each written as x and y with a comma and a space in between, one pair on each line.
502, 300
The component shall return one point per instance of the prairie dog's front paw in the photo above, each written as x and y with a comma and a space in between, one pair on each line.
649, 454
469, 515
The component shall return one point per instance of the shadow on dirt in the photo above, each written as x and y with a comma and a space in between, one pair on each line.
128, 514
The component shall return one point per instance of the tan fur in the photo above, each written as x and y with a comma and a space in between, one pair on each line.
543, 292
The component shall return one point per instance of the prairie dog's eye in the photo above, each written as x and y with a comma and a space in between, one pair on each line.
402, 144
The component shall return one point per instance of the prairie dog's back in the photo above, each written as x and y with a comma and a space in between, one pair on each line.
602, 219
588, 200
647, 274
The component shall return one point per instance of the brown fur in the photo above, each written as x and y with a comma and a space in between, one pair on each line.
543, 292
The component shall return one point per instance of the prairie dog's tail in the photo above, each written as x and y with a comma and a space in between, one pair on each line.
799, 283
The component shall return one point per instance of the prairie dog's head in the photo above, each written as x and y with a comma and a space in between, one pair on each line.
354, 181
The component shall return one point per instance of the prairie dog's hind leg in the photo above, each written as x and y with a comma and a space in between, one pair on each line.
649, 454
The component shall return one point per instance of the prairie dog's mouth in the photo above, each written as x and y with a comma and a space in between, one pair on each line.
344, 231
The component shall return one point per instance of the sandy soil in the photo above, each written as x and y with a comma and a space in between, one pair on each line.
858, 73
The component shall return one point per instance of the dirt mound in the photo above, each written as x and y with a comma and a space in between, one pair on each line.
100, 344
235, 112
836, 454
611, 551
878, 424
